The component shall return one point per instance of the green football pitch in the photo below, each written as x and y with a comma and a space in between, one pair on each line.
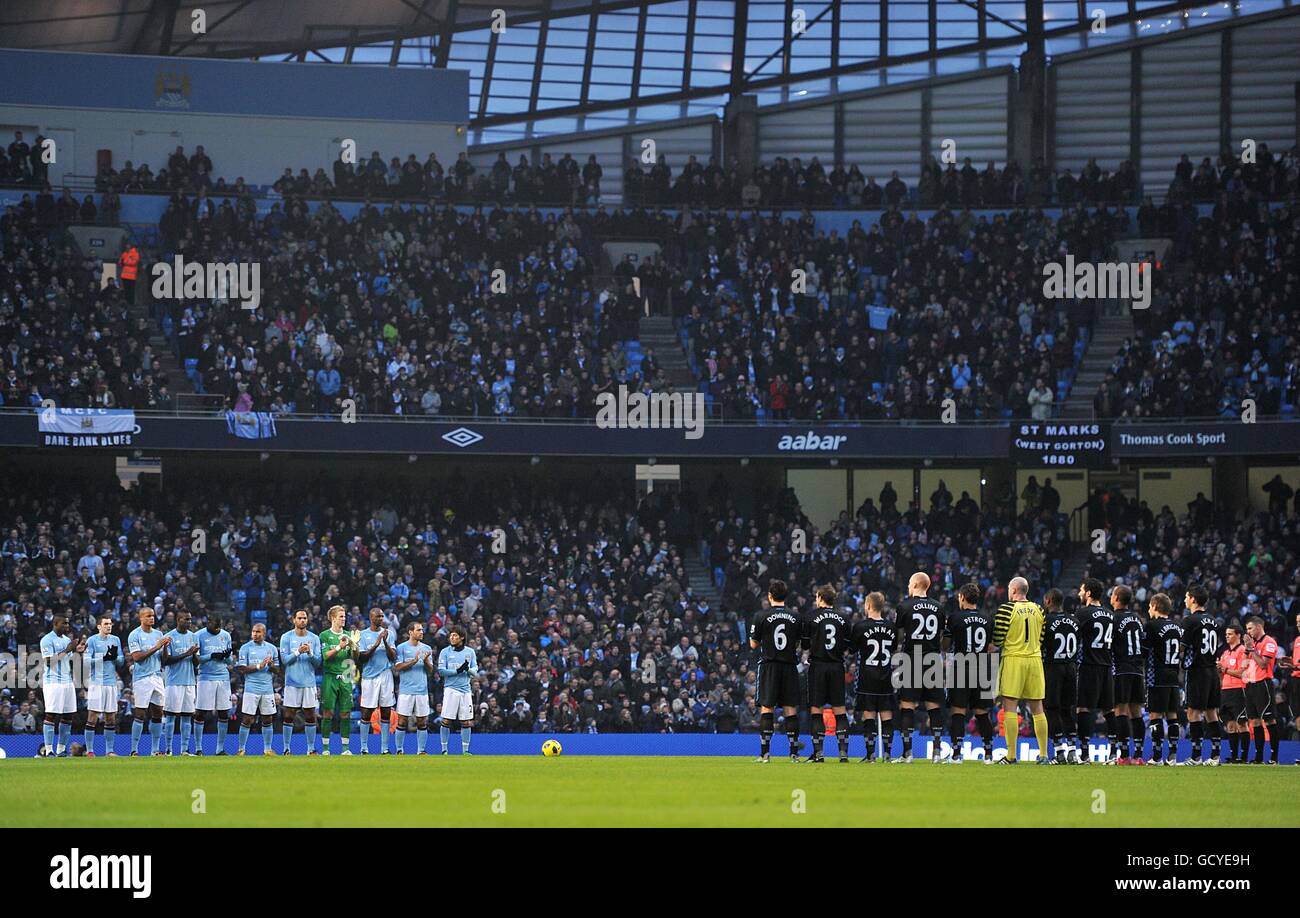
627, 791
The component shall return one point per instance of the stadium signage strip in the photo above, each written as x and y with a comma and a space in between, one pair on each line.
1088, 443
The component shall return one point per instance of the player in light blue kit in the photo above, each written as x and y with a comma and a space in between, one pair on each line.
146, 644
213, 700
57, 686
258, 659
104, 656
457, 665
376, 656
413, 667
300, 651
179, 683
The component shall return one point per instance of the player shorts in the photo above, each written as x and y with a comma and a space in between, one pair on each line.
457, 705
1203, 688
970, 684
335, 693
921, 694
413, 705
1232, 705
179, 699
60, 697
102, 699
875, 692
1096, 688
147, 690
1166, 694
1259, 699
1130, 688
825, 684
377, 692
296, 697
1061, 686
258, 704
213, 695
1021, 677
778, 685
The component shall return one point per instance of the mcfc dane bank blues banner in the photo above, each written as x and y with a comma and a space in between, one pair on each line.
86, 427
1060, 444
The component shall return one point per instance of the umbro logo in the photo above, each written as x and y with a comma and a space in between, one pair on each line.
462, 437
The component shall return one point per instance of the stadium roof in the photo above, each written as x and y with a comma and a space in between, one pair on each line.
581, 65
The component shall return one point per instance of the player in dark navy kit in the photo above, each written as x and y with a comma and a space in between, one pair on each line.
1164, 644
777, 632
920, 635
1130, 674
969, 632
1202, 644
827, 635
1096, 683
873, 640
1061, 677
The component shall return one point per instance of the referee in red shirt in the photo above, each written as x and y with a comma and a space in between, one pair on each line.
1263, 653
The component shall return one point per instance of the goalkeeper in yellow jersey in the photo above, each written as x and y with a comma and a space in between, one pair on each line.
1018, 635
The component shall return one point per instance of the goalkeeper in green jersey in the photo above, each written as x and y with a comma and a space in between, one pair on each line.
1018, 634
336, 683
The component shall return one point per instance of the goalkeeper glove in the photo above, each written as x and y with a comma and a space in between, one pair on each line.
110, 654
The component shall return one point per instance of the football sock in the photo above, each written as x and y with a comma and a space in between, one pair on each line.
400, 733
869, 735
1112, 733
243, 737
88, 737
1234, 745
310, 730
818, 732
957, 732
155, 735
1173, 729
65, 735
842, 734
169, 732
383, 735
985, 723
1011, 731
1259, 744
1137, 731
1196, 730
1157, 728
464, 739
268, 731
47, 731
906, 717
287, 733
421, 740
223, 727
444, 735
886, 736
1085, 726
1275, 739
766, 727
1216, 738
1040, 733
110, 739
792, 731
187, 725
1123, 749
137, 730
934, 730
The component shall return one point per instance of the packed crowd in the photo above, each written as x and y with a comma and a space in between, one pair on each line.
62, 337
1227, 331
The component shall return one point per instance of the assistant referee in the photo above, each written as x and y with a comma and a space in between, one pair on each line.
1018, 634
